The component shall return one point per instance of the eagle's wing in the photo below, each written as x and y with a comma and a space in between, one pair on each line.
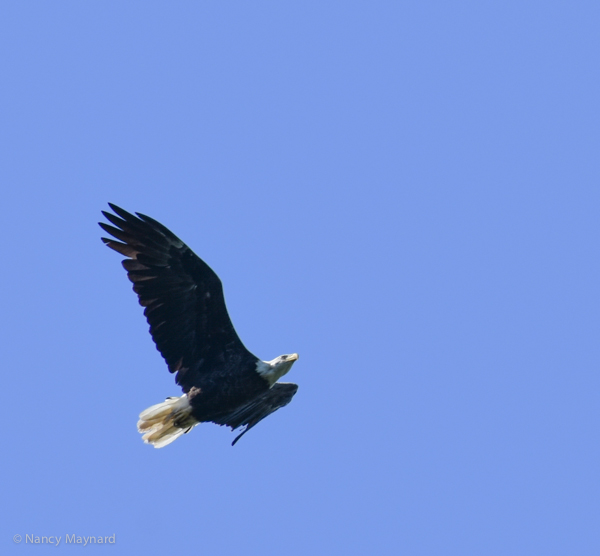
182, 296
260, 407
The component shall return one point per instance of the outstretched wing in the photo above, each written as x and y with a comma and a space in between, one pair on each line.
182, 296
255, 411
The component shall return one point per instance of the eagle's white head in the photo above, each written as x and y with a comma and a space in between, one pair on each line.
275, 369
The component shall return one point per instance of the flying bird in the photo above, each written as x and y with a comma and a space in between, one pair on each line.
183, 302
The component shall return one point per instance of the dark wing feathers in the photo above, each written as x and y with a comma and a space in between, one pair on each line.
182, 296
260, 407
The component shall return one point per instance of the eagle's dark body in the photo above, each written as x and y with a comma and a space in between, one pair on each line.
184, 305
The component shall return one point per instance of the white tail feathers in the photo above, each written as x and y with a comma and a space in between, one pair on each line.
164, 422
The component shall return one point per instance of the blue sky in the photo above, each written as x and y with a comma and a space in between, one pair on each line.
404, 193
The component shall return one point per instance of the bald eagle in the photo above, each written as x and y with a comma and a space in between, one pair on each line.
184, 305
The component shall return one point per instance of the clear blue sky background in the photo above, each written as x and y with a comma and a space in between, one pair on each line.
405, 193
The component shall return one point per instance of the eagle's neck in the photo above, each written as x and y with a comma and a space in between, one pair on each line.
272, 371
